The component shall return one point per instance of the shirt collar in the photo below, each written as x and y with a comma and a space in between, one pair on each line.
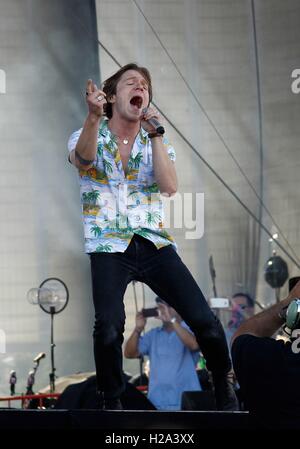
105, 132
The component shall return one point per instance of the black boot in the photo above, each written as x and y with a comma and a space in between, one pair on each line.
108, 404
112, 404
226, 399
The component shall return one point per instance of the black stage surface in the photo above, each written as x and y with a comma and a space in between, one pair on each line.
96, 419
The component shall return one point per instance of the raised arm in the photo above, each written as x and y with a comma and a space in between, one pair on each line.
131, 350
86, 148
267, 322
164, 168
187, 338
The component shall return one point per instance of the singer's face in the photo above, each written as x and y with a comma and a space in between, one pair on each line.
132, 96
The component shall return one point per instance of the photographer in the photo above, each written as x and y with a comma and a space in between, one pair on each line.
173, 353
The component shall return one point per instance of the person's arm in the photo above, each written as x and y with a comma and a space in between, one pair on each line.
164, 169
131, 350
267, 322
187, 338
86, 148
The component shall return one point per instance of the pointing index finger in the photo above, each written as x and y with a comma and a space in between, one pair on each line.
89, 86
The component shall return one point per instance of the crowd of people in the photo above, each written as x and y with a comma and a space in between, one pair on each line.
265, 368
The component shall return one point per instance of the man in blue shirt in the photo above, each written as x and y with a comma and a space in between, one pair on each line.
173, 353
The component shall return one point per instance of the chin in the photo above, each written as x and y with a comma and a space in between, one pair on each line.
133, 117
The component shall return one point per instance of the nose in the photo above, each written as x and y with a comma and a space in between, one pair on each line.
139, 84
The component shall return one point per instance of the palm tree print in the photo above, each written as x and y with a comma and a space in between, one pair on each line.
104, 248
91, 197
151, 188
110, 147
134, 162
153, 218
107, 166
100, 150
96, 230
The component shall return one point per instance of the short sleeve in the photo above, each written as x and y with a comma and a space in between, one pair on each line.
73, 139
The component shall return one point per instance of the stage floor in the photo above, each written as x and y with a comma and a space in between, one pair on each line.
96, 419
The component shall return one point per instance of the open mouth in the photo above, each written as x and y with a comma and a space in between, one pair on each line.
137, 101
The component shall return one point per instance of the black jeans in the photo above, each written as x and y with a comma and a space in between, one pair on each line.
165, 273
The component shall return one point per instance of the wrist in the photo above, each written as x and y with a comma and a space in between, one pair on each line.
82, 160
282, 313
138, 331
94, 118
154, 135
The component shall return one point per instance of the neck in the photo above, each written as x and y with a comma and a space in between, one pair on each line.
123, 128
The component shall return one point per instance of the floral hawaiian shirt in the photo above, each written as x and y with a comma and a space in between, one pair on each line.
115, 205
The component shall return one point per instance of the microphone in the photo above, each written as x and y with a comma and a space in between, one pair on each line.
155, 123
40, 356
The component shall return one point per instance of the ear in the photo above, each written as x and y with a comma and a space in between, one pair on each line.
111, 99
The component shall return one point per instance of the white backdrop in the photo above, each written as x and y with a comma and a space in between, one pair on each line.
40, 227
227, 51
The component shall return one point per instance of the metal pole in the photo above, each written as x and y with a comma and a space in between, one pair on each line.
52, 374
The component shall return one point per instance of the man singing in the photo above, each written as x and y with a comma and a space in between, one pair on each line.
124, 165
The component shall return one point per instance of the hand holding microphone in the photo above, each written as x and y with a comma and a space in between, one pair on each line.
151, 124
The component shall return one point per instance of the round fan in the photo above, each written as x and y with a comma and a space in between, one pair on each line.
53, 295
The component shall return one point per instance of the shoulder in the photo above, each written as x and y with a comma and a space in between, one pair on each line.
249, 342
248, 350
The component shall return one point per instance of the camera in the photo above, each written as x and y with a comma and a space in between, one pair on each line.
147, 313
219, 303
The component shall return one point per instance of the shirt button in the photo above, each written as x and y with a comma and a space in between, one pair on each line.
137, 217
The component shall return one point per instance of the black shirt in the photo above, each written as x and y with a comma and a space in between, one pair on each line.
268, 372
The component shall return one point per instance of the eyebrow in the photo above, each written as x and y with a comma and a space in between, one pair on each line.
134, 78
